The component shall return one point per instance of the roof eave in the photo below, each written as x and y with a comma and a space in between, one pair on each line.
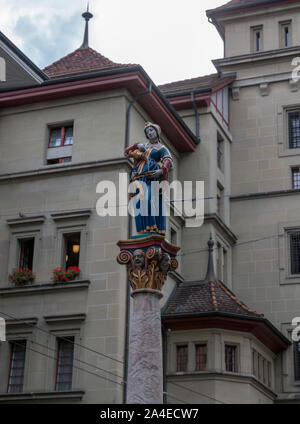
55, 88
279, 339
23, 57
211, 13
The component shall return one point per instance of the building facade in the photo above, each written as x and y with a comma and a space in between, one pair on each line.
227, 312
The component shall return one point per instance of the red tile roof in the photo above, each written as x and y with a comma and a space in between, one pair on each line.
208, 81
81, 61
205, 297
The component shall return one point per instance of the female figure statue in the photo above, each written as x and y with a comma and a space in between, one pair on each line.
152, 162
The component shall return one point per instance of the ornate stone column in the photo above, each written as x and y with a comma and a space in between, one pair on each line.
149, 259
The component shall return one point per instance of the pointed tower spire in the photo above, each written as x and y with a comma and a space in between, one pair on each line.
87, 16
210, 275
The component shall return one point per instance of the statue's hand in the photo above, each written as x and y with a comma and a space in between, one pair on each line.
141, 147
156, 174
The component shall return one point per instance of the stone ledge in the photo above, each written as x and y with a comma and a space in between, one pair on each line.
52, 169
263, 194
223, 375
54, 319
29, 396
41, 288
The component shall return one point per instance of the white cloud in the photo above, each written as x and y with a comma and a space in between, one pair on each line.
171, 39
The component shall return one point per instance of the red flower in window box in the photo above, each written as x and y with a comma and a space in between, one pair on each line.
20, 277
63, 275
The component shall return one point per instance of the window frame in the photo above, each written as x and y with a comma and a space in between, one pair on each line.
14, 343
284, 231
24, 230
294, 274
283, 111
64, 249
258, 29
296, 361
282, 34
295, 170
60, 160
58, 341
289, 142
62, 135
66, 224
178, 346
236, 362
20, 246
220, 152
197, 362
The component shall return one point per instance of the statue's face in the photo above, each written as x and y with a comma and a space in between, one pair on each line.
165, 263
151, 134
138, 259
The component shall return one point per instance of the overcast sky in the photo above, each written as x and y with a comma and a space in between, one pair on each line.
171, 39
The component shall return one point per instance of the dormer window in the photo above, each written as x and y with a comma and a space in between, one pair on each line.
256, 39
285, 34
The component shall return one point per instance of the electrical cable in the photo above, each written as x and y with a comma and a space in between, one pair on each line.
62, 338
75, 366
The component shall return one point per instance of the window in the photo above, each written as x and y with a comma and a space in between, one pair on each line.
294, 129
182, 357
297, 360
60, 160
201, 357
296, 178
295, 252
262, 368
71, 243
285, 34
61, 136
220, 154
231, 358
220, 195
17, 365
60, 145
64, 370
257, 39
26, 250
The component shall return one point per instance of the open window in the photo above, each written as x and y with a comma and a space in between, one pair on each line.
257, 39
26, 252
220, 152
60, 144
71, 249
285, 29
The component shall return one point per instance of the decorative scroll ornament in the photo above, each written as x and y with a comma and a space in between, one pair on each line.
152, 272
149, 260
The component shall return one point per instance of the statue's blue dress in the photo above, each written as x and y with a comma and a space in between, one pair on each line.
155, 220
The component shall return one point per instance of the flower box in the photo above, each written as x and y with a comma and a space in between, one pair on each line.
20, 277
60, 274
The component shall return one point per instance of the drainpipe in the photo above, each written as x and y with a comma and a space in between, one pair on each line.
133, 101
196, 116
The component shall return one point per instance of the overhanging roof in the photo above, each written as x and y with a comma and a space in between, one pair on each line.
134, 79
